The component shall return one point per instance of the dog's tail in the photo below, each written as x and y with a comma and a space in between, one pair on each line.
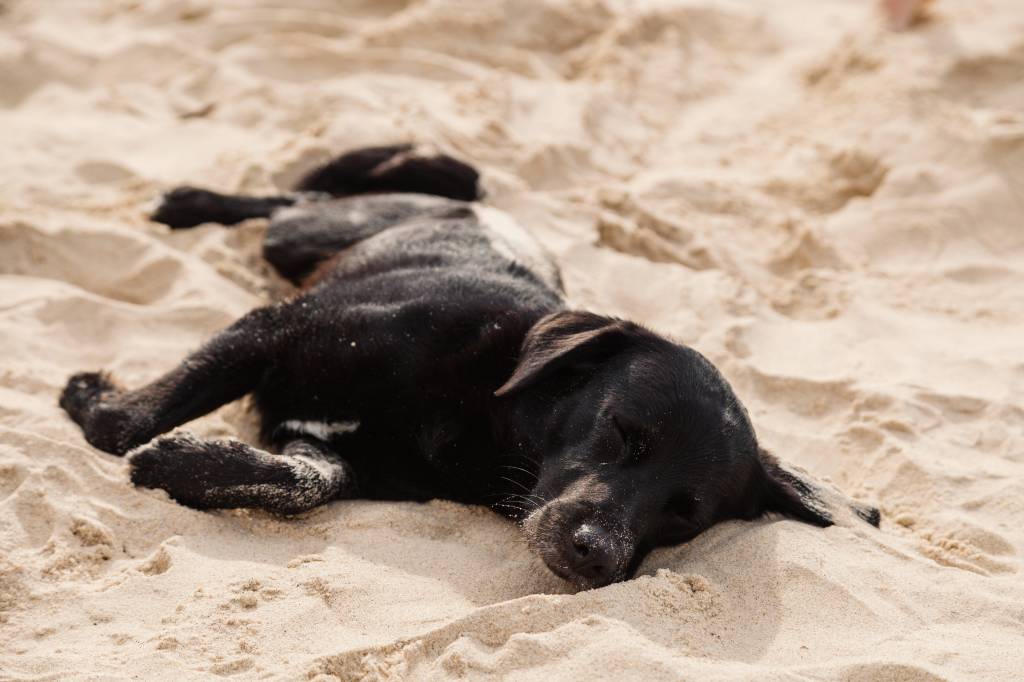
370, 170
396, 168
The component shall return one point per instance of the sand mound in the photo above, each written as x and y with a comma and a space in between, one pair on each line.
831, 211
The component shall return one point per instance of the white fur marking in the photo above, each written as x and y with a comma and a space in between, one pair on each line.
321, 430
512, 241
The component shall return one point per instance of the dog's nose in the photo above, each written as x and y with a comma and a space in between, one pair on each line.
592, 553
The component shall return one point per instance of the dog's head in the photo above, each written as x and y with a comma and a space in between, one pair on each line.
638, 442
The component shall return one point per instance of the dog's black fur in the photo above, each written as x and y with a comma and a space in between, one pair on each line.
424, 358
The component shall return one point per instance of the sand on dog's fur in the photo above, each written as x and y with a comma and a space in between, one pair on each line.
831, 211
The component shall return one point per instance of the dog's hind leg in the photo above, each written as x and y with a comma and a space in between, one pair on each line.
185, 207
380, 187
225, 368
223, 474
401, 168
394, 169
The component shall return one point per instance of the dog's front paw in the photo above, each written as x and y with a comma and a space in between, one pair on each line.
91, 400
152, 466
177, 464
83, 391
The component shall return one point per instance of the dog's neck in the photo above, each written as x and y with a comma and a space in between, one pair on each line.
517, 453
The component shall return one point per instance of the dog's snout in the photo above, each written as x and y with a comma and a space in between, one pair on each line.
592, 553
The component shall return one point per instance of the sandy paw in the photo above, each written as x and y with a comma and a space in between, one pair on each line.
184, 207
84, 390
160, 465
89, 399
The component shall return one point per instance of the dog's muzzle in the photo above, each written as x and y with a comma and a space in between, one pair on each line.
585, 552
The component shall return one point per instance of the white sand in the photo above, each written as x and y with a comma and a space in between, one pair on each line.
833, 212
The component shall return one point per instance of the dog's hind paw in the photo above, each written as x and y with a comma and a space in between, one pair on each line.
185, 207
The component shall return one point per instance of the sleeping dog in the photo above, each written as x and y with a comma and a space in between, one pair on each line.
429, 353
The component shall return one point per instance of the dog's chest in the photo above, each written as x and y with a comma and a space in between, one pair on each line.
320, 430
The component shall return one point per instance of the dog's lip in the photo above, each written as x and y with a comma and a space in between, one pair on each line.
559, 568
579, 581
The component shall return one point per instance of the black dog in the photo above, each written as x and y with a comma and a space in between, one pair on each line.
430, 355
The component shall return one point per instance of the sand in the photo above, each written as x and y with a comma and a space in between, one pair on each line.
830, 210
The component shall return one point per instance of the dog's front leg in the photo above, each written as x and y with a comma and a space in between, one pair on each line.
225, 474
224, 369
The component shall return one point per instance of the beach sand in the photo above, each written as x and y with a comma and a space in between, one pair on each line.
831, 211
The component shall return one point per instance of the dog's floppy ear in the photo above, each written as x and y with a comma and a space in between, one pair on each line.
563, 339
794, 492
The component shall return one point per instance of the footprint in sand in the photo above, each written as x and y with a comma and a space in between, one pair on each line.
11, 477
989, 81
118, 265
103, 172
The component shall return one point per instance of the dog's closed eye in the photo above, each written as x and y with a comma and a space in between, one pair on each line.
634, 445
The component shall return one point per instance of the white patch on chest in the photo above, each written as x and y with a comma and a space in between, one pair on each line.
322, 430
512, 241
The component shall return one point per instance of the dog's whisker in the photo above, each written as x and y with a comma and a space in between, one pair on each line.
525, 505
521, 485
525, 471
508, 505
533, 500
